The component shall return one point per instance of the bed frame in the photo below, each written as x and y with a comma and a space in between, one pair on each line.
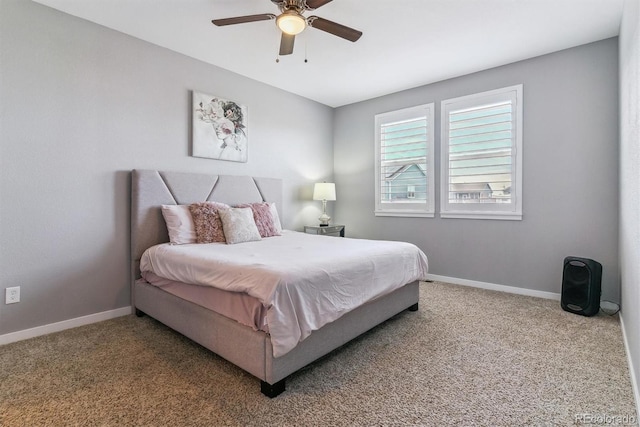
248, 349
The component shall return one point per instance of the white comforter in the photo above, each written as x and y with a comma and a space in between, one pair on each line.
305, 281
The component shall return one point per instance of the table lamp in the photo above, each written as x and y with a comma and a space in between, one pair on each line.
324, 191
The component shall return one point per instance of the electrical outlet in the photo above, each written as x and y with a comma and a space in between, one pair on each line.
12, 295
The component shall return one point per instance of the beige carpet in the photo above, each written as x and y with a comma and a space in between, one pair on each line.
467, 357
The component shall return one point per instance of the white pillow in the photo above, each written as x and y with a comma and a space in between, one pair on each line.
239, 225
179, 224
276, 218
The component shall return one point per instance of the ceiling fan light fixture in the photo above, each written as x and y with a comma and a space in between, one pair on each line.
291, 22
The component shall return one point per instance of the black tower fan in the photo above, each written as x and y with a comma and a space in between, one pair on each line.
581, 281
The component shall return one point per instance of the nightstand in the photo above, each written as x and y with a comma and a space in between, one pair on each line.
330, 230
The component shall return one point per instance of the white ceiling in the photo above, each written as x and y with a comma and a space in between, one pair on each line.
406, 43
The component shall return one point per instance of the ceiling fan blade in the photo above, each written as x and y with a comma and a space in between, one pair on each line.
334, 28
286, 44
243, 19
314, 4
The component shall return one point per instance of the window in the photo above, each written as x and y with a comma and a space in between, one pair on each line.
482, 155
404, 162
411, 191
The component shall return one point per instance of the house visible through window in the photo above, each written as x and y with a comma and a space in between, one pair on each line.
482, 155
411, 191
404, 162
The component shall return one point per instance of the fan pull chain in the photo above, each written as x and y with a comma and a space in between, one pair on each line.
305, 49
305, 53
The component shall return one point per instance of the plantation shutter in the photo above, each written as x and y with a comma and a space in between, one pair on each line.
404, 169
481, 144
403, 152
481, 170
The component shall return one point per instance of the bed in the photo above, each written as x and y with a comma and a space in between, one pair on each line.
257, 350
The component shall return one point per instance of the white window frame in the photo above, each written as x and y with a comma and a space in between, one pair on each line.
506, 211
413, 208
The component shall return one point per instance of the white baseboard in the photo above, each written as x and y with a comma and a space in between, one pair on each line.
61, 326
632, 373
494, 287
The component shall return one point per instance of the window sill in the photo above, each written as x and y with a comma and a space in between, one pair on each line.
405, 214
504, 216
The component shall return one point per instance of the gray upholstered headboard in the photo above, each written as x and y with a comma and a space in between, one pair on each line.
150, 189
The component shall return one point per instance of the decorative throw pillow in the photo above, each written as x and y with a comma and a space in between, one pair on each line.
179, 224
263, 218
276, 218
239, 225
207, 223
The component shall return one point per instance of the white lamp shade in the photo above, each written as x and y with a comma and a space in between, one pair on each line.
324, 191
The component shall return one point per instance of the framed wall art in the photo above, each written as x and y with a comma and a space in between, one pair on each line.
219, 129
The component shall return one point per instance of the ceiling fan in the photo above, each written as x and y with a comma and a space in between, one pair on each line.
292, 22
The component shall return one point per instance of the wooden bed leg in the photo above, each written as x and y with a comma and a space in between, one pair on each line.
139, 313
272, 390
414, 307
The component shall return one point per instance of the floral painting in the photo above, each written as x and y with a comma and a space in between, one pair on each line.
219, 128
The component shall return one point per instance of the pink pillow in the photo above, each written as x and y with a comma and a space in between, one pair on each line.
263, 217
179, 224
207, 223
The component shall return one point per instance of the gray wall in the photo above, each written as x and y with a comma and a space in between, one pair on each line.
630, 181
570, 204
82, 105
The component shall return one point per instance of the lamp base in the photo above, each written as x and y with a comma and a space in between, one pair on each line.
324, 220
